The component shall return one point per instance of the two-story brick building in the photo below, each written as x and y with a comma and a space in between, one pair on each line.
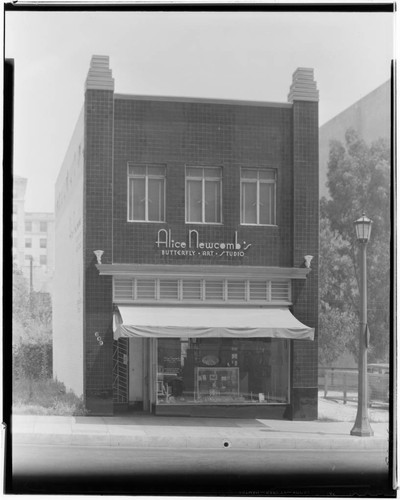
187, 253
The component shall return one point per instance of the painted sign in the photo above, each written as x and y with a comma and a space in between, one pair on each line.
193, 246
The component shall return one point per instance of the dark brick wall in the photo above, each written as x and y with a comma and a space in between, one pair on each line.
177, 134
99, 105
305, 242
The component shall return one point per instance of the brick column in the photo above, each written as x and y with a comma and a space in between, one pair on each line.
304, 96
98, 167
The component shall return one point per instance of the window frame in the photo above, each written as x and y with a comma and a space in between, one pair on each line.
258, 182
146, 177
28, 243
203, 179
41, 224
43, 243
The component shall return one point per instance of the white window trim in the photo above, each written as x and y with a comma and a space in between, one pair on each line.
258, 182
203, 180
146, 177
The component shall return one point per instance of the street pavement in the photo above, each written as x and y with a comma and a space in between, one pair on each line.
82, 469
149, 431
120, 454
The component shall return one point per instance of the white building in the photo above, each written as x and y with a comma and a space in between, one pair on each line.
33, 241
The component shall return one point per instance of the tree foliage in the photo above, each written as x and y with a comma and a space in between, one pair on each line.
32, 330
358, 181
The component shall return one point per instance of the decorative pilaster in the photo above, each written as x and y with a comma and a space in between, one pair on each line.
304, 97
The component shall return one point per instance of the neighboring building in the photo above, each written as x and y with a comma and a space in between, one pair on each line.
18, 221
184, 234
370, 117
33, 241
39, 248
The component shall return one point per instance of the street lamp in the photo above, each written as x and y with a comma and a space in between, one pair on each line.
362, 426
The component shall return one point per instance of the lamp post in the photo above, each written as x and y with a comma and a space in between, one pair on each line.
362, 426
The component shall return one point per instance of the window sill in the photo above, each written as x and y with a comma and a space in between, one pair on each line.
205, 223
259, 225
146, 221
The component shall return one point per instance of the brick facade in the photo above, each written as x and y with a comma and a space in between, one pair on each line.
179, 133
99, 124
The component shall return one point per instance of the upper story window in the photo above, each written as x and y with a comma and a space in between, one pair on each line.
43, 243
43, 260
43, 226
146, 193
258, 193
28, 243
28, 226
203, 194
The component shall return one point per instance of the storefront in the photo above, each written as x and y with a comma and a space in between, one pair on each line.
186, 278
213, 345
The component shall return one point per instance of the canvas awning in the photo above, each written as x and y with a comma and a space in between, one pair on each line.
201, 322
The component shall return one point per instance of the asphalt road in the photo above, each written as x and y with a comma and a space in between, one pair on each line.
63, 469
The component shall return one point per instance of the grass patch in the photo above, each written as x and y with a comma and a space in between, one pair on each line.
44, 397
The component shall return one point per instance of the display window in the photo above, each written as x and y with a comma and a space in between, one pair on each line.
222, 371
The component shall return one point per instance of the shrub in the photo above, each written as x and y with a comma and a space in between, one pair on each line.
32, 360
45, 397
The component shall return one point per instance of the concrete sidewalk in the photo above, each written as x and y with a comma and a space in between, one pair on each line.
149, 431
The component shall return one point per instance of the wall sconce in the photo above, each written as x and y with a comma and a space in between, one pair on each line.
98, 254
307, 260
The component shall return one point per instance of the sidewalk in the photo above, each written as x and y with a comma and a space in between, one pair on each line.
148, 431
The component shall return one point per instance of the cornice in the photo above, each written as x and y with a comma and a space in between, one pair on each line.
218, 271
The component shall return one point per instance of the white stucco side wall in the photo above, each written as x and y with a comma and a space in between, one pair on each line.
68, 351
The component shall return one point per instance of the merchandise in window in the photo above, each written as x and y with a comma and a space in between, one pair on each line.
146, 193
203, 194
221, 371
258, 193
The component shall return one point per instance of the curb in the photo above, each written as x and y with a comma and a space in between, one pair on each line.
188, 442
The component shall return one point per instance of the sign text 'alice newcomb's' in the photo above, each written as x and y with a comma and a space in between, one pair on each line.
194, 247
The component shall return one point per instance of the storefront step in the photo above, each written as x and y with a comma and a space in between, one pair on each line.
278, 412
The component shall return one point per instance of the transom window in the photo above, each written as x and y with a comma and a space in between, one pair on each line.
197, 290
203, 194
258, 193
146, 193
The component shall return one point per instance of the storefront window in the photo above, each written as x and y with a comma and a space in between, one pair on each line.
222, 371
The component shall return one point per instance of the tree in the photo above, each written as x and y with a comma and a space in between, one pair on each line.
358, 181
337, 289
32, 333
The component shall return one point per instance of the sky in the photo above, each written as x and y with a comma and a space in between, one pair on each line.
228, 55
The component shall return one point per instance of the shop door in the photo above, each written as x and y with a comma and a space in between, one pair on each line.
139, 373
136, 375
